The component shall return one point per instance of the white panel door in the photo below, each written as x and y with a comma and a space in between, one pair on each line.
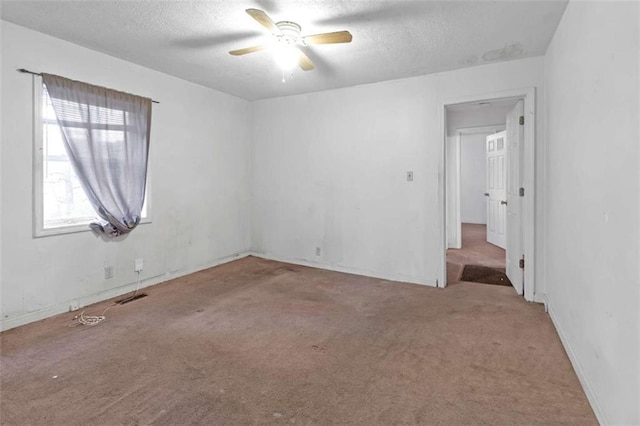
515, 139
496, 189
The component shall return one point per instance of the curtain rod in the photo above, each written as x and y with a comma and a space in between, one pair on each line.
37, 73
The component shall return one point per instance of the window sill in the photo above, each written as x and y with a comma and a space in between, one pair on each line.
71, 229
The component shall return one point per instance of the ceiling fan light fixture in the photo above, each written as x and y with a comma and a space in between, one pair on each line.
287, 56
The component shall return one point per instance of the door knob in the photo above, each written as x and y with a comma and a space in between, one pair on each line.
503, 202
486, 194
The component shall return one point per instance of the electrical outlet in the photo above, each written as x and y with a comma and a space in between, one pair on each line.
108, 272
74, 306
318, 251
409, 176
138, 265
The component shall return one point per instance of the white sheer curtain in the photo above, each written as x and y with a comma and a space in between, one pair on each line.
106, 134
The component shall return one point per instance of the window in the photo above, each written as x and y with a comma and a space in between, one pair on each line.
61, 205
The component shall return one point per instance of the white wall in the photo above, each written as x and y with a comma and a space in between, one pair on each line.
592, 232
199, 159
473, 175
329, 171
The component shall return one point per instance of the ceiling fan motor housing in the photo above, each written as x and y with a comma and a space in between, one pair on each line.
289, 33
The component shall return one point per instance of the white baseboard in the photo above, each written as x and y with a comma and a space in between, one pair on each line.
29, 317
349, 270
40, 314
540, 298
588, 390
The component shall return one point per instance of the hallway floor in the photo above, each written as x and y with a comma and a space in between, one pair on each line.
475, 251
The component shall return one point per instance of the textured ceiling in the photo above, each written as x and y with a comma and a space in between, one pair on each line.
391, 39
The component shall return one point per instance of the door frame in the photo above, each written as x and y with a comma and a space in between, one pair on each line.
528, 95
454, 190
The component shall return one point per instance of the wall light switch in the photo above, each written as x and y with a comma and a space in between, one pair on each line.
409, 176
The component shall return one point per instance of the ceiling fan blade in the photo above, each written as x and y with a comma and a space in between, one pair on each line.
263, 19
327, 38
249, 50
305, 63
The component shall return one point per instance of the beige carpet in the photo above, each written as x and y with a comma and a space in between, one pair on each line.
262, 342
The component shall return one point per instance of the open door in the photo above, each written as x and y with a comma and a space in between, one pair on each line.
515, 138
496, 189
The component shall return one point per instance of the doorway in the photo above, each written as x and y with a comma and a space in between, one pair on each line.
468, 128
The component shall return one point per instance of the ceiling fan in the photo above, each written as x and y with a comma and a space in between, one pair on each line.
287, 39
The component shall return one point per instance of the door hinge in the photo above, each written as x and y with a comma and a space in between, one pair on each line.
521, 192
521, 120
521, 263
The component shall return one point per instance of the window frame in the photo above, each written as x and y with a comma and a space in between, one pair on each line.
39, 229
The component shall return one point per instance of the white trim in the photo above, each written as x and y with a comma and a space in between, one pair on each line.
577, 367
12, 322
349, 270
29, 317
442, 196
529, 183
457, 187
540, 298
528, 216
72, 229
37, 158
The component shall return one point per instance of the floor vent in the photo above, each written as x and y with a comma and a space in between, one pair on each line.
131, 299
